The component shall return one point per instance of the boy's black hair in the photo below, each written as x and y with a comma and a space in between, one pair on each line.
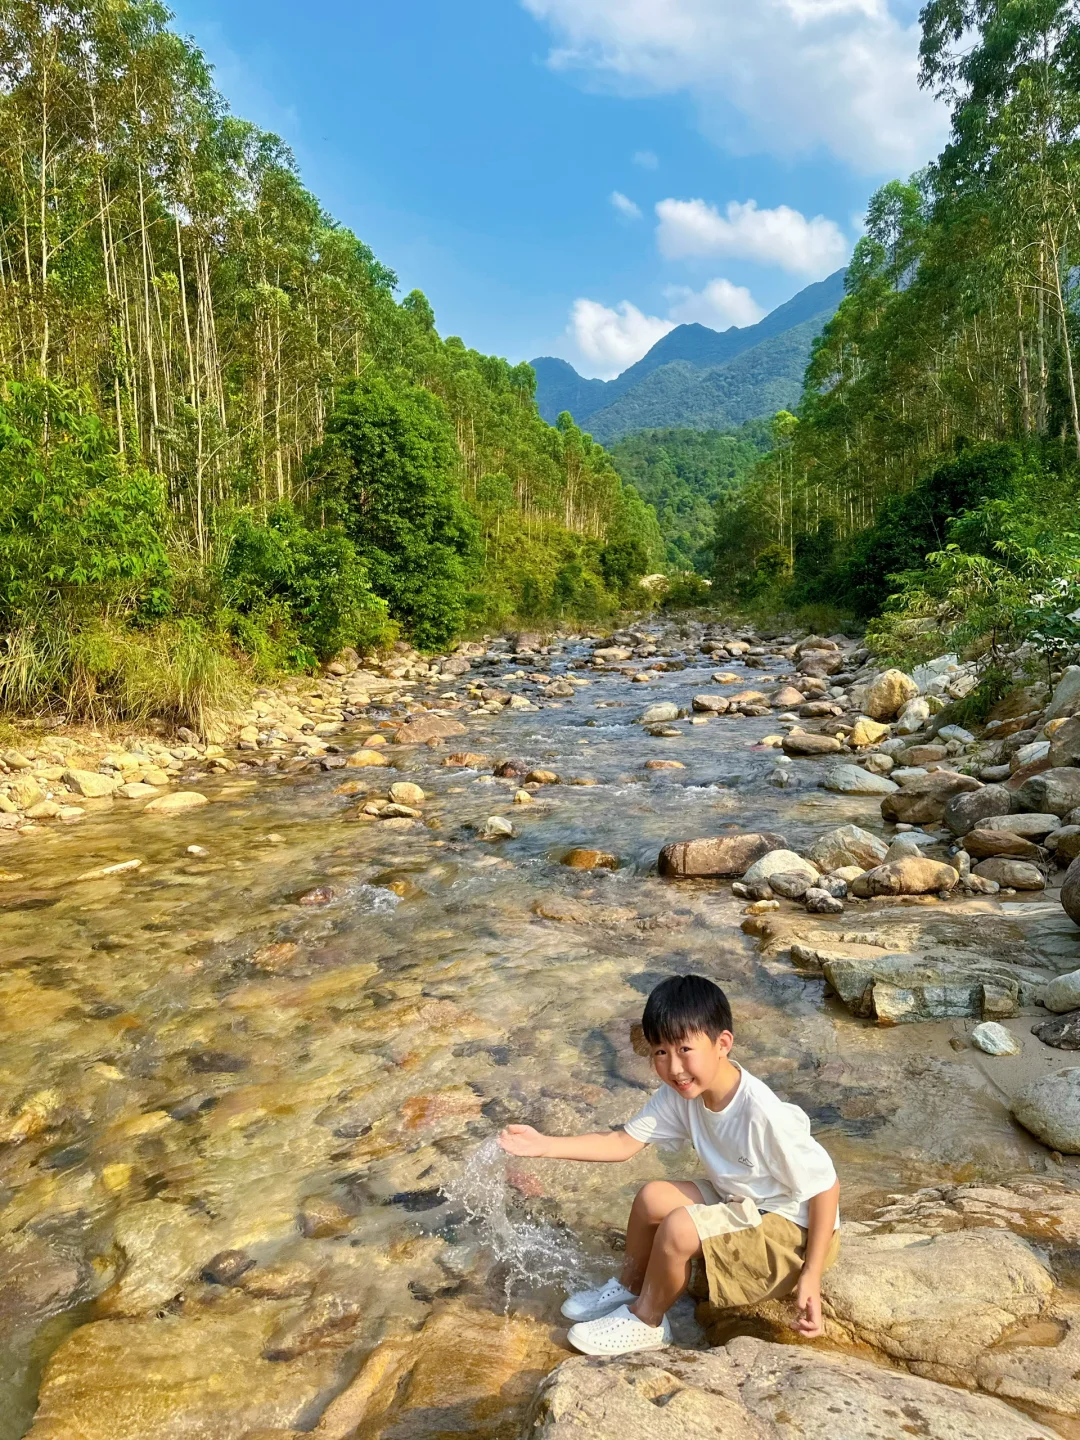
685, 1005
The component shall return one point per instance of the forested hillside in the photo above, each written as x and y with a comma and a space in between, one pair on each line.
937, 450
220, 432
682, 474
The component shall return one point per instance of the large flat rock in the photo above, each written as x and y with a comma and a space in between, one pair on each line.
752, 1390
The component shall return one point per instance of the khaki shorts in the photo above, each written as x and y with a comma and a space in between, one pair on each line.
749, 1256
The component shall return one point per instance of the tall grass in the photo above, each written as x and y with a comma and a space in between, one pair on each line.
102, 671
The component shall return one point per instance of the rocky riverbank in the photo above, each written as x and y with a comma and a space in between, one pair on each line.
248, 1048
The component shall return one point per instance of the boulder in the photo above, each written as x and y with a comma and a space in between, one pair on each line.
1050, 1109
1070, 892
1066, 699
1028, 827
424, 727
912, 875
854, 780
1055, 791
1063, 1032
659, 714
913, 716
404, 792
924, 755
90, 784
888, 694
778, 862
496, 827
799, 744
993, 1039
867, 732
902, 989
1013, 874
1065, 843
935, 1303
816, 664
1063, 993
717, 857
753, 1390
964, 811
707, 704
791, 884
988, 844
847, 845
923, 798
175, 803
787, 698
1065, 742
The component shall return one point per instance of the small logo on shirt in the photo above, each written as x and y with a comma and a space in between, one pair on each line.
744, 1161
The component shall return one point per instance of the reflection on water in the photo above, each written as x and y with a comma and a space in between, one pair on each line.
194, 1062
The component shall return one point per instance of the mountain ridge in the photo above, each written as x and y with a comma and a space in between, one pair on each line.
764, 365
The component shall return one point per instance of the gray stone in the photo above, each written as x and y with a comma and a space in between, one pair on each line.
1065, 744
778, 862
1050, 1109
1070, 892
1066, 700
1063, 993
964, 812
854, 780
1029, 827
1063, 1032
993, 1039
90, 784
821, 902
913, 716
922, 799
1065, 843
790, 885
659, 714
903, 989
707, 704
1054, 791
847, 845
1013, 874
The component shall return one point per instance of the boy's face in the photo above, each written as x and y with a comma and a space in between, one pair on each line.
692, 1064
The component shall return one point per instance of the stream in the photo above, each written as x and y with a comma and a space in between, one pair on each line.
232, 1114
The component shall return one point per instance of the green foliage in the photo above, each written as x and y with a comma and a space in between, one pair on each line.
397, 498
687, 591
295, 595
79, 527
682, 474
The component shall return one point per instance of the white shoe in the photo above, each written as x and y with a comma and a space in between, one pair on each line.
618, 1334
591, 1304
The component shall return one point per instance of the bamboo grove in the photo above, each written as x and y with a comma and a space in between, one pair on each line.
163, 269
959, 326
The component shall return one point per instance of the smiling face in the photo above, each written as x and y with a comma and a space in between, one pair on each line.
693, 1064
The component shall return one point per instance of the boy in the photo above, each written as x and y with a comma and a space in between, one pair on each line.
765, 1219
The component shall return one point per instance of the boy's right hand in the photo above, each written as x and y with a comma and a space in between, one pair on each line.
523, 1140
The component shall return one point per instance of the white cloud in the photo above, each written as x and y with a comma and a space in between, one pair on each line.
719, 306
647, 159
783, 237
611, 339
788, 77
625, 206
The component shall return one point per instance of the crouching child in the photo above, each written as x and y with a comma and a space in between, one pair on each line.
764, 1217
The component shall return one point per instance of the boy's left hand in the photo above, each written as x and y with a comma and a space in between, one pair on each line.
808, 1321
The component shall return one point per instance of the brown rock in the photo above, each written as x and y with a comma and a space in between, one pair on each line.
542, 777
912, 875
1016, 874
811, 745
664, 765
362, 759
1070, 892
711, 704
922, 801
467, 760
924, 754
422, 728
888, 695
323, 1216
1062, 1032
747, 697
1065, 743
719, 856
988, 844
788, 698
579, 859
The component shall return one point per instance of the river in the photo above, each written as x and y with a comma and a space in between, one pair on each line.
196, 1062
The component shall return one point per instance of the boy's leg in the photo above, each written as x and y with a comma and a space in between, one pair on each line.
653, 1205
668, 1273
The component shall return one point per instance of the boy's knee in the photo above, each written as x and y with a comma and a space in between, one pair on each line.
679, 1233
651, 1201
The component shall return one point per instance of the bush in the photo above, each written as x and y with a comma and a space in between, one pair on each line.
686, 591
294, 595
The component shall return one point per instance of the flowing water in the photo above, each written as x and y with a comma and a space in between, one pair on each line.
194, 1062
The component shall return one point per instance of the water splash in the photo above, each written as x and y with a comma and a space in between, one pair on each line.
534, 1253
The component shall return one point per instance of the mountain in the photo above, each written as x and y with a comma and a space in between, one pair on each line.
698, 378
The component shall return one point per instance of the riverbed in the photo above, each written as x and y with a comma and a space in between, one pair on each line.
282, 1045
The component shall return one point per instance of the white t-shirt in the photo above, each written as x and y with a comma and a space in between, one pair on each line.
757, 1148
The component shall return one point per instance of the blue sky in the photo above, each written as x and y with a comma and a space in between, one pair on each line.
573, 177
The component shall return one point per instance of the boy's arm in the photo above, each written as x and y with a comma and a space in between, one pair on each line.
822, 1223
612, 1145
